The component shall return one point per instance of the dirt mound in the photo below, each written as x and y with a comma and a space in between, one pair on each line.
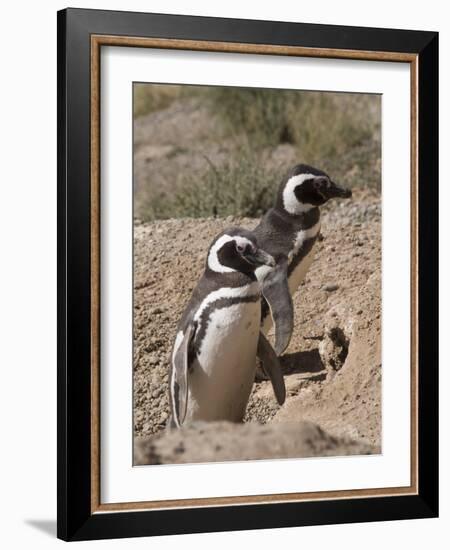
347, 401
332, 367
221, 441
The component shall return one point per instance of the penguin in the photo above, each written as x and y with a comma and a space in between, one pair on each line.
218, 336
288, 232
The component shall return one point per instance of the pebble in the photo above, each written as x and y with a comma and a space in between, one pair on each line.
157, 392
156, 379
331, 287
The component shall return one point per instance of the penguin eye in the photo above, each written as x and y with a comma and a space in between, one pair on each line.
319, 183
240, 247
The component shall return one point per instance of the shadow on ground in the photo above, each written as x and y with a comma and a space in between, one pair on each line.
302, 362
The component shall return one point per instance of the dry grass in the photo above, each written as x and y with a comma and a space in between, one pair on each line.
337, 132
318, 123
242, 185
150, 98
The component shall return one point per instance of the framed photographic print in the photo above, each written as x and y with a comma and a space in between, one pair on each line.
247, 254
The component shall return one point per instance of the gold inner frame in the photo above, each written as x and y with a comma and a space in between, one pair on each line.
109, 40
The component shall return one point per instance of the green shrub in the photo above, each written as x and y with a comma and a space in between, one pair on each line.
337, 132
261, 114
242, 186
320, 124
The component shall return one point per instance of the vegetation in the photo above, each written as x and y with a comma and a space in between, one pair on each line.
147, 99
337, 132
239, 186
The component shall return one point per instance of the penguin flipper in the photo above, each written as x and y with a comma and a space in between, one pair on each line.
272, 367
276, 291
179, 382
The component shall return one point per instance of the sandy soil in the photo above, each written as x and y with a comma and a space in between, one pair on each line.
333, 364
221, 441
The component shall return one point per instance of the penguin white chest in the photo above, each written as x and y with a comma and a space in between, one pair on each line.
221, 377
298, 273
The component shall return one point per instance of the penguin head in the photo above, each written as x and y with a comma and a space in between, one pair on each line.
236, 249
306, 187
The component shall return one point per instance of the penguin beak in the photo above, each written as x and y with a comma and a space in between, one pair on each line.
258, 257
336, 191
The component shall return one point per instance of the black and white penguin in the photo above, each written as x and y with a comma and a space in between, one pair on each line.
218, 336
288, 232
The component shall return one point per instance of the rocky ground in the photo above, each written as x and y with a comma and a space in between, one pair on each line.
221, 441
333, 364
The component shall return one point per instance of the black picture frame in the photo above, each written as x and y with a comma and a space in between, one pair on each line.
76, 521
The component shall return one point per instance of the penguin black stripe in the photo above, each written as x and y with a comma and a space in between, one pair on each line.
278, 230
210, 282
302, 252
205, 316
304, 220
